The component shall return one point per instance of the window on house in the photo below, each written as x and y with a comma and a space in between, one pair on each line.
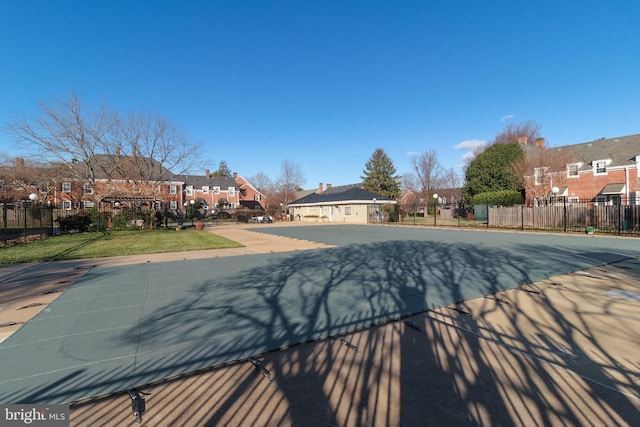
600, 168
88, 204
572, 170
87, 189
66, 187
205, 189
189, 190
216, 190
256, 197
66, 204
173, 204
232, 191
173, 189
538, 176
347, 210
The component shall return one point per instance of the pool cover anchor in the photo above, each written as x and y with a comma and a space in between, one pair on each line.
348, 344
137, 404
258, 364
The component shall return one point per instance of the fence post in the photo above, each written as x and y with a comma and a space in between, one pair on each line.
619, 199
487, 213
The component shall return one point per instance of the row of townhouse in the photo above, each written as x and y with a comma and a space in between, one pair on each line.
605, 171
116, 181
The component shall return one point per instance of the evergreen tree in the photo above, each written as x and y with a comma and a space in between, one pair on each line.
379, 175
223, 170
491, 170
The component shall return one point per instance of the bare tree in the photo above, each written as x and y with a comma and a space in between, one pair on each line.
262, 182
290, 181
91, 143
514, 132
452, 186
429, 173
409, 181
64, 132
20, 178
541, 169
265, 185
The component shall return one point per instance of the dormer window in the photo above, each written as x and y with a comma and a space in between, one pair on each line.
572, 170
600, 167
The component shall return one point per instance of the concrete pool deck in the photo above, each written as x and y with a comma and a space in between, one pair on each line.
557, 350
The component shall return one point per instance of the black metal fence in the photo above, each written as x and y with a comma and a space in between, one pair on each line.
610, 217
616, 216
24, 220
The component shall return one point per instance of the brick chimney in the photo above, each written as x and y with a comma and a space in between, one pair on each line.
235, 175
539, 142
320, 188
118, 151
19, 163
328, 186
133, 152
206, 173
523, 140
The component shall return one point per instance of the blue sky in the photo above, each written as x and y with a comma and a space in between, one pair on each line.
325, 83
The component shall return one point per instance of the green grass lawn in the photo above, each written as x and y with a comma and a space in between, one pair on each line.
98, 245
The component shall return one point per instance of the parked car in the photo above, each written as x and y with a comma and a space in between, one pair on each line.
262, 219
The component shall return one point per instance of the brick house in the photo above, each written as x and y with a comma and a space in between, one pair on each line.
117, 180
124, 182
605, 171
250, 197
213, 192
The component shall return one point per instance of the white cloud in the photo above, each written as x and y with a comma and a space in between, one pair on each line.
412, 153
469, 146
507, 117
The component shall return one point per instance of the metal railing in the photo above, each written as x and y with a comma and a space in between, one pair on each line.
576, 216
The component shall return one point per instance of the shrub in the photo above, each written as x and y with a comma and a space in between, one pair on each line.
79, 222
498, 198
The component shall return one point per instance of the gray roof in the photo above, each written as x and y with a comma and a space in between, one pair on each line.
338, 194
106, 166
341, 188
621, 151
199, 181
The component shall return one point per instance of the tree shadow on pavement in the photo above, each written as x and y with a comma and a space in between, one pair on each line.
403, 367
